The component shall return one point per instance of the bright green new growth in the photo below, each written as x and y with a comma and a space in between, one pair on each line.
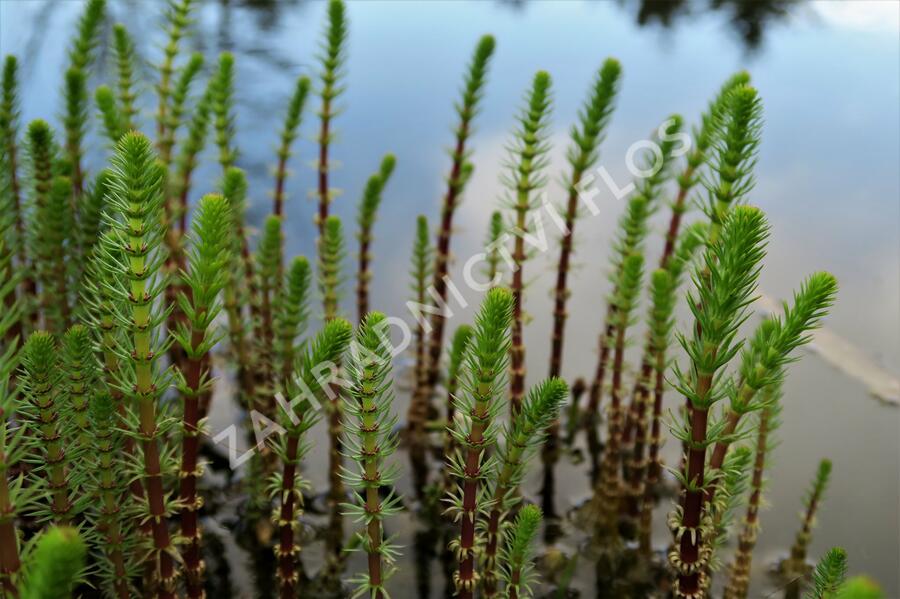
42, 386
48, 225
368, 206
208, 255
829, 575
593, 117
368, 211
370, 441
124, 48
309, 384
331, 57
288, 135
75, 89
528, 159
720, 302
734, 154
176, 111
724, 286
177, 21
767, 355
191, 147
475, 430
706, 134
222, 90
55, 565
518, 552
331, 254
133, 264
293, 313
522, 439
109, 113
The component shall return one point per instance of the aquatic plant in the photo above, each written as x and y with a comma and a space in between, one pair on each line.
122, 268
370, 442
522, 438
739, 569
421, 270
460, 172
475, 430
288, 135
333, 55
720, 301
208, 255
309, 386
829, 575
135, 221
365, 220
587, 135
518, 550
795, 567
527, 162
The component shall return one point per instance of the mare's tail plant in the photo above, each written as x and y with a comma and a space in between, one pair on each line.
292, 315
460, 172
12, 450
739, 569
48, 226
522, 439
178, 18
368, 211
370, 441
458, 348
518, 570
331, 254
134, 266
332, 57
528, 159
208, 256
630, 238
75, 89
42, 383
417, 415
829, 575
125, 92
9, 132
307, 388
796, 568
720, 303
113, 523
644, 470
476, 428
494, 244
288, 135
583, 154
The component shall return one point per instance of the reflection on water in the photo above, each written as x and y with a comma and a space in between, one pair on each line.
827, 178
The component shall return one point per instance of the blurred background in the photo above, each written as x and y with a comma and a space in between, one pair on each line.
827, 176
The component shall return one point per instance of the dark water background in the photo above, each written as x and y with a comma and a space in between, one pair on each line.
829, 75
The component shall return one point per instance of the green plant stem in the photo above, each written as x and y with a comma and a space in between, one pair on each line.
460, 171
739, 570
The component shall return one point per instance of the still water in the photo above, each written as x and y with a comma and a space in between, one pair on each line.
829, 75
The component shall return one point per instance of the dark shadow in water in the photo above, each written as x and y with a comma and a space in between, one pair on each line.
748, 18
